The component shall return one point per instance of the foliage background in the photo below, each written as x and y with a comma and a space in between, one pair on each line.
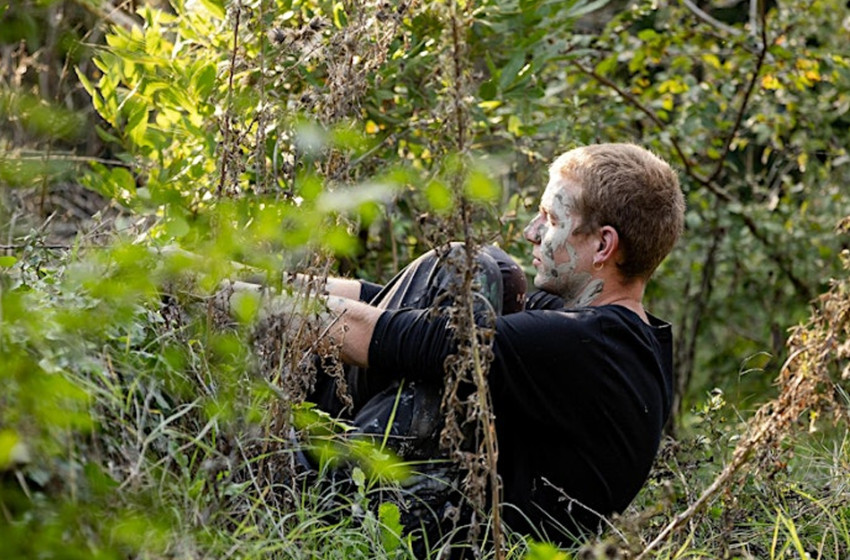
346, 138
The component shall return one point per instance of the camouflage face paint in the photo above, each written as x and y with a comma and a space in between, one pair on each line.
559, 270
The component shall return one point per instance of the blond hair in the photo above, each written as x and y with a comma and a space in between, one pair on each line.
632, 190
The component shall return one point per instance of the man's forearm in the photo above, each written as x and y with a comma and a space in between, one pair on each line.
350, 323
352, 328
343, 287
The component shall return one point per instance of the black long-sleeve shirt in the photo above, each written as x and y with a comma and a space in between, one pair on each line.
580, 398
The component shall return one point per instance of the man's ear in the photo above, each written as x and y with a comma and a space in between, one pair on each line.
609, 244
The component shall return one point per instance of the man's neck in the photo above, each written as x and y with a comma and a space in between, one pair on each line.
600, 293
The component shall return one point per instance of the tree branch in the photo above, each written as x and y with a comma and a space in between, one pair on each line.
710, 20
228, 132
635, 102
686, 351
743, 108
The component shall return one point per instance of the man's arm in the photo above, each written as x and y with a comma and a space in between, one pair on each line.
342, 287
350, 323
352, 328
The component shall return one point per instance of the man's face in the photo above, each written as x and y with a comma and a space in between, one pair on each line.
563, 258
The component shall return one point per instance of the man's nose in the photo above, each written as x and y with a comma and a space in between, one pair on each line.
532, 231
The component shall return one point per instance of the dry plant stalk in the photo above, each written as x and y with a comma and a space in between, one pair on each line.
471, 363
469, 433
819, 361
229, 149
351, 56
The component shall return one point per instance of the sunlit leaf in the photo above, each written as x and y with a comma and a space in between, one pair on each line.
12, 449
177, 227
545, 551
245, 305
481, 187
391, 527
340, 242
215, 7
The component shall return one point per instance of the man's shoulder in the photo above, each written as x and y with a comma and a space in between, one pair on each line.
543, 318
543, 300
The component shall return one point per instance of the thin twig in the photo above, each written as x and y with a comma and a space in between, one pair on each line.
485, 402
743, 108
109, 12
710, 20
686, 351
59, 156
14, 247
225, 149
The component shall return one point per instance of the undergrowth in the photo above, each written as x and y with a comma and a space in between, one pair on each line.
137, 420
137, 423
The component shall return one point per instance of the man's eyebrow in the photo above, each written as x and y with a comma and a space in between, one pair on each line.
549, 214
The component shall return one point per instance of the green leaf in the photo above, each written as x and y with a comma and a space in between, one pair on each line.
439, 196
348, 138
608, 65
369, 212
245, 306
481, 187
391, 527
340, 17
515, 125
647, 35
137, 122
123, 182
545, 551
204, 81
509, 72
8, 261
106, 136
98, 479
359, 478
12, 449
580, 9
310, 187
177, 227
487, 90
215, 7
339, 241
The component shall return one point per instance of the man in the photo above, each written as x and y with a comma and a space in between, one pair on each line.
581, 380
